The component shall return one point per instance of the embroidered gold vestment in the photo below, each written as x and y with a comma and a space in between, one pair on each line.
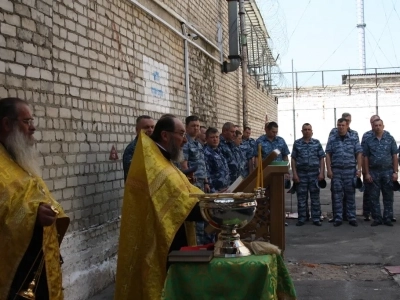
156, 203
20, 196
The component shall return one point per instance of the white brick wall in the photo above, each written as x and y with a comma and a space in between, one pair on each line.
85, 66
318, 106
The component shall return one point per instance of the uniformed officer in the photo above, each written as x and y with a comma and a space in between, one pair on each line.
145, 123
354, 135
240, 155
343, 164
308, 166
248, 146
271, 141
226, 146
202, 135
194, 154
365, 137
381, 167
216, 163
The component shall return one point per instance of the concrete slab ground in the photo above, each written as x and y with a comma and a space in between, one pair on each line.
342, 262
337, 263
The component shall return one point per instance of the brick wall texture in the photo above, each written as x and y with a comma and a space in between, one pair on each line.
89, 68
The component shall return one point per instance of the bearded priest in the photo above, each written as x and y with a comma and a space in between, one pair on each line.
32, 223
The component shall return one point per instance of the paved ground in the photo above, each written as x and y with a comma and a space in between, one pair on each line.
342, 262
346, 263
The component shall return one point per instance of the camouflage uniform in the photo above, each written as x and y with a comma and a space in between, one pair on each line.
307, 157
267, 147
127, 157
380, 154
228, 151
243, 162
343, 151
194, 155
247, 147
218, 169
353, 135
366, 203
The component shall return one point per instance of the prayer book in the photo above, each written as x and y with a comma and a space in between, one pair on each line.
190, 256
235, 184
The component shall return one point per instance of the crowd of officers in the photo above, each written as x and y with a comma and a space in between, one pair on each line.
218, 159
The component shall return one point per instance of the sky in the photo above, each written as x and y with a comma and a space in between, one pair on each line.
322, 35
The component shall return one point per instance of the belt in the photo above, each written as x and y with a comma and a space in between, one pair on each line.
344, 168
308, 169
381, 168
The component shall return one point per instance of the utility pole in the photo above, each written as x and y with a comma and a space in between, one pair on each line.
243, 40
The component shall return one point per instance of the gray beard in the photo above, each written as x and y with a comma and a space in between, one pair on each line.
175, 152
22, 150
180, 157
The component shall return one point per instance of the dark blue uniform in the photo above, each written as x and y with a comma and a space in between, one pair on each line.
228, 151
193, 153
366, 204
380, 155
248, 147
268, 146
218, 169
307, 157
127, 157
343, 151
354, 135
243, 162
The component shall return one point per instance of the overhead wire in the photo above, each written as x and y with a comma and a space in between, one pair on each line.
275, 23
334, 51
301, 17
390, 32
377, 43
394, 8
376, 60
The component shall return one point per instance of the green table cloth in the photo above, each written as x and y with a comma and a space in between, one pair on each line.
263, 277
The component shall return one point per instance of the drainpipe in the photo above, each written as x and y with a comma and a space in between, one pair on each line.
243, 40
234, 56
186, 53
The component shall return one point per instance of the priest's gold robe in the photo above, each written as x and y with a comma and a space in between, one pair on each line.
20, 196
156, 203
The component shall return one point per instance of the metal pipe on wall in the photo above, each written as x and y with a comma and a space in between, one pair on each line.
234, 56
190, 27
187, 81
152, 14
243, 40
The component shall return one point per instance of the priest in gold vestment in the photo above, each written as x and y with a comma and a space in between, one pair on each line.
32, 223
157, 212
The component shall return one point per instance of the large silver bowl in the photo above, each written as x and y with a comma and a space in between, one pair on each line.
228, 212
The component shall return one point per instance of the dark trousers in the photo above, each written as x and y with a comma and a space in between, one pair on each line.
382, 182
